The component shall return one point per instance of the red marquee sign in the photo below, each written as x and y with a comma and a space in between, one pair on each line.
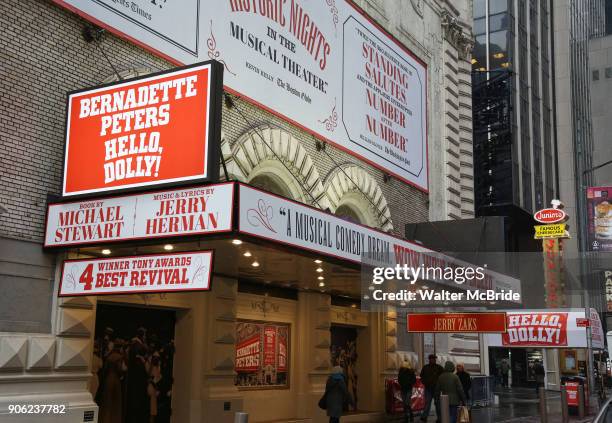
456, 322
536, 329
158, 129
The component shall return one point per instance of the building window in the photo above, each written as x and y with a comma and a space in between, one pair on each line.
608, 73
347, 212
271, 183
596, 75
262, 354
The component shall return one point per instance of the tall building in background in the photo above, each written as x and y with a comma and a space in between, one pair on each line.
513, 107
600, 62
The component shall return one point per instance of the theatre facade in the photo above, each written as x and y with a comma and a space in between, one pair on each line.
215, 214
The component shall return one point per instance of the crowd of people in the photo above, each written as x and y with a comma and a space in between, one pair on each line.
438, 380
132, 380
454, 382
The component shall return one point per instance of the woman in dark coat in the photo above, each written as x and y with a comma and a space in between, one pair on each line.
466, 380
336, 395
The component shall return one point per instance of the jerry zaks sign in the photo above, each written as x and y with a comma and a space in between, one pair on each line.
323, 65
160, 129
137, 274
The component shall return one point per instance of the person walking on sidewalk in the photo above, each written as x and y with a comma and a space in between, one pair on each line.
449, 384
539, 372
429, 376
504, 367
466, 380
406, 378
336, 395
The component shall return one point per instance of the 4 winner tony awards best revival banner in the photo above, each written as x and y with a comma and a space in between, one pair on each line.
322, 65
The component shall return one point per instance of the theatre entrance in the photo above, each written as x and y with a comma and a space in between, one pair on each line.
343, 352
133, 363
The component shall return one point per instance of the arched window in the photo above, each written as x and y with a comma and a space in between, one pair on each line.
347, 212
271, 183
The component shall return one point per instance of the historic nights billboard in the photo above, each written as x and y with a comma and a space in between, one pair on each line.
322, 65
160, 129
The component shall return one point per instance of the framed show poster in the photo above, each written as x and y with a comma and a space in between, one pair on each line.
569, 361
262, 354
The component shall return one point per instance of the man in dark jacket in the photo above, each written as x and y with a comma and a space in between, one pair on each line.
466, 380
429, 376
406, 379
449, 384
540, 373
336, 395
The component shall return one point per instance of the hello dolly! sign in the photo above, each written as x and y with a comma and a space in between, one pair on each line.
155, 130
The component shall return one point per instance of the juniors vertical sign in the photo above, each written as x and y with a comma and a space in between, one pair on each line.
323, 65
154, 130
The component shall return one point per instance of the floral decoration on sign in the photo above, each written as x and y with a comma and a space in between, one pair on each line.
331, 122
71, 279
261, 215
200, 273
334, 11
213, 53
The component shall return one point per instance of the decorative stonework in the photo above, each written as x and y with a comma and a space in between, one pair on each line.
13, 351
266, 145
41, 353
455, 34
72, 353
75, 322
417, 5
354, 179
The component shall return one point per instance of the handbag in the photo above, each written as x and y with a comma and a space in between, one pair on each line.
323, 401
463, 414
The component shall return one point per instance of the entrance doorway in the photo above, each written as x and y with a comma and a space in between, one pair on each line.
133, 363
343, 353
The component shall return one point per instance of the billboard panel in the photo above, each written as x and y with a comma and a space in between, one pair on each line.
324, 66
155, 130
599, 215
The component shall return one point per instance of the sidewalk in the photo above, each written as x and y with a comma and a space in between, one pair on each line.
521, 405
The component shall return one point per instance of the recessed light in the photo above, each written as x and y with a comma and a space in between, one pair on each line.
318, 261
168, 247
425, 287
106, 251
353, 305
403, 304
319, 269
255, 264
247, 254
236, 241
321, 284
320, 278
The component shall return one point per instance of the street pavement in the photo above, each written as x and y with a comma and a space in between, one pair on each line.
521, 405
